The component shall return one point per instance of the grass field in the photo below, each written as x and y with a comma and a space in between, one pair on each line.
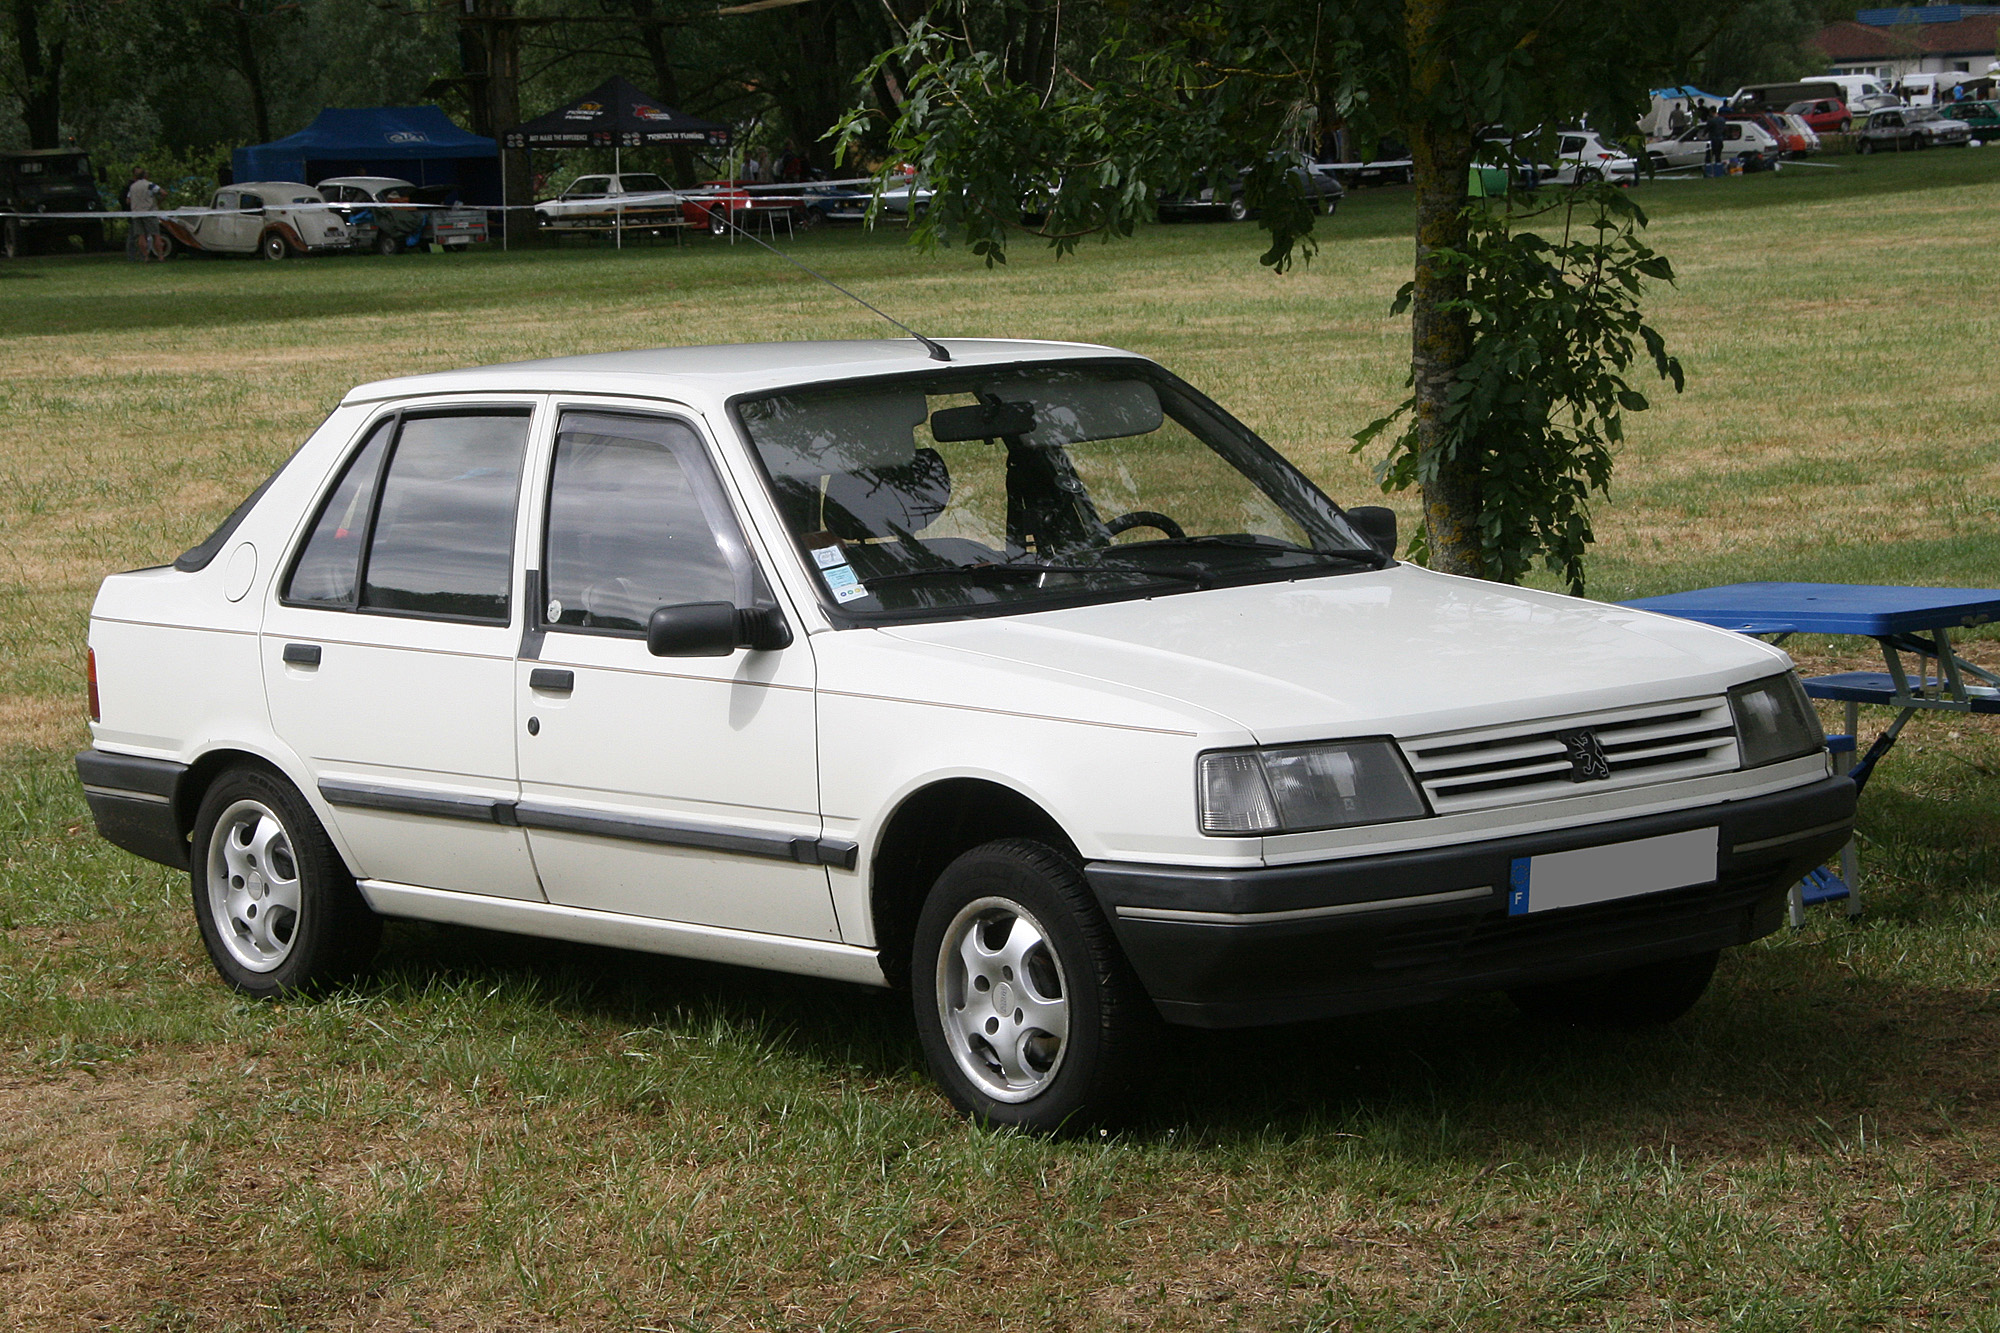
495, 1133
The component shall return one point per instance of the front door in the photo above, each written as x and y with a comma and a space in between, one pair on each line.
389, 651
683, 789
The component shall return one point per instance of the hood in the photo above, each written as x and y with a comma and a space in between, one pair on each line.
1401, 651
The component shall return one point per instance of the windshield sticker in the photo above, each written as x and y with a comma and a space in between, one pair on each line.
555, 611
844, 583
826, 557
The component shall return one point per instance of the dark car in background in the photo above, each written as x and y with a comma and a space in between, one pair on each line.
48, 180
1982, 118
1895, 128
1220, 194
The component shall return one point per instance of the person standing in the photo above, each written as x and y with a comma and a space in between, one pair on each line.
1718, 131
143, 197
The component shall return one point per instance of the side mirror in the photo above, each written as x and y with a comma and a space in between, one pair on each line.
714, 629
1378, 524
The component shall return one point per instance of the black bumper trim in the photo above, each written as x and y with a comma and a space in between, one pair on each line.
134, 802
1225, 948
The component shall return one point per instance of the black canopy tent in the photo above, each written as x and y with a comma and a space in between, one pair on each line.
616, 115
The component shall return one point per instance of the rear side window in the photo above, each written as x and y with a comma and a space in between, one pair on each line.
635, 522
421, 522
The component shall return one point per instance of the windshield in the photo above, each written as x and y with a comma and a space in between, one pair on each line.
990, 491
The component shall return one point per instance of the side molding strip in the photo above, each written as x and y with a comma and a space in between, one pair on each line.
1302, 913
779, 953
836, 852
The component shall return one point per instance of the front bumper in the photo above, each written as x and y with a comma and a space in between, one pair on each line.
1273, 944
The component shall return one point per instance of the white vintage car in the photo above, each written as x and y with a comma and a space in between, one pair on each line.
633, 201
269, 218
366, 202
1016, 674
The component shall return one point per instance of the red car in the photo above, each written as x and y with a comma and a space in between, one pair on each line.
1826, 115
714, 203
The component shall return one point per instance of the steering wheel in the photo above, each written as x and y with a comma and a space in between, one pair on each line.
1146, 518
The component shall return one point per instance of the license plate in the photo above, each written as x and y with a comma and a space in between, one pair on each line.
1617, 870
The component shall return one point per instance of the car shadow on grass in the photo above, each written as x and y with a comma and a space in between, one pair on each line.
1791, 1048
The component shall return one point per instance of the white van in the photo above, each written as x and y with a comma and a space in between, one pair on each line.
1857, 88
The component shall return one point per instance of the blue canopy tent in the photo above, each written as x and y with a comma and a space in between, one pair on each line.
419, 144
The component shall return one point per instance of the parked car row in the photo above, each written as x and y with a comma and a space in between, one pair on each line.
276, 219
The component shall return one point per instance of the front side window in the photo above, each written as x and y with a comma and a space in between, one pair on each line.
643, 184
636, 521
979, 492
421, 522
590, 187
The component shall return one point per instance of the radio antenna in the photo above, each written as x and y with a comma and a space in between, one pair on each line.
936, 349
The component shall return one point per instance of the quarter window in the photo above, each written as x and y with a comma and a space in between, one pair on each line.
636, 522
330, 565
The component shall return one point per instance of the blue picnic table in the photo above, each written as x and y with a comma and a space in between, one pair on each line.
1906, 622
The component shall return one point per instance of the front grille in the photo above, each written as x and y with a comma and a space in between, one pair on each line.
1530, 761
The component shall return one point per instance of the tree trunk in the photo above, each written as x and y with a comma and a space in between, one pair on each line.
653, 37
253, 73
41, 77
1441, 156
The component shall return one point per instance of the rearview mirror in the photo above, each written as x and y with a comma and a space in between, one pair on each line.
982, 421
714, 629
1376, 523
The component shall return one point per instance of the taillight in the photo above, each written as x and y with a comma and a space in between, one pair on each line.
90, 671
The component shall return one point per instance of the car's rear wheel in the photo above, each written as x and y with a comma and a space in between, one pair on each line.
1238, 210
1029, 1014
273, 246
1632, 997
13, 242
278, 910
1588, 175
385, 244
718, 222
1865, 147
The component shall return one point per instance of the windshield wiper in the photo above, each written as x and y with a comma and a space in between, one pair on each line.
1027, 569
1266, 545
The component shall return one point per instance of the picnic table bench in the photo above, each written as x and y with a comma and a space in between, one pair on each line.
1903, 621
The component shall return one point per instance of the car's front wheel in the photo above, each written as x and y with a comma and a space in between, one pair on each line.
1632, 997
273, 246
1865, 147
1029, 1014
278, 911
1238, 210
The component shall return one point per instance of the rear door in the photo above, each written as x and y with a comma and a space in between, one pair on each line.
389, 648
682, 789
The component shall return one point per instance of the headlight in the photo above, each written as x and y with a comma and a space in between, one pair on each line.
1774, 721
1303, 787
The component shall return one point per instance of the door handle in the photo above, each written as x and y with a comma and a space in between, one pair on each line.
552, 680
302, 654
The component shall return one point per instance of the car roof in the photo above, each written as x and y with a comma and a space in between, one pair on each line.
710, 374
370, 182
269, 185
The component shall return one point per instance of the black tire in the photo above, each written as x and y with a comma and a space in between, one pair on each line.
385, 244
718, 223
1024, 899
1648, 995
1865, 147
278, 910
272, 246
13, 241
1238, 210
1588, 176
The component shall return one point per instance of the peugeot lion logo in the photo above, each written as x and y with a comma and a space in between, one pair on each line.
1586, 757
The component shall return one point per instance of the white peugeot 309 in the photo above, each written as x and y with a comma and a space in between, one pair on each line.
1017, 674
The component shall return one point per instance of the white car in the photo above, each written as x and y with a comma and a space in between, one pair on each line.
269, 218
1583, 156
1017, 674
359, 198
631, 200
1742, 139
